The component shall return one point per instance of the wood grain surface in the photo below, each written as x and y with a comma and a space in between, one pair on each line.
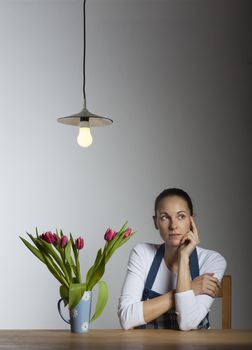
126, 340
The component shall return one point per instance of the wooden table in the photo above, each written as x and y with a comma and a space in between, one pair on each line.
126, 340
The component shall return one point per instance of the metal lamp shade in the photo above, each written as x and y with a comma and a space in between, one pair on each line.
83, 116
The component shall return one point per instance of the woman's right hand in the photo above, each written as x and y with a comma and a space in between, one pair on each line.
206, 284
189, 240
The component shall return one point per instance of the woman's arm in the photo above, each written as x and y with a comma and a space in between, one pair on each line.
132, 311
187, 245
155, 307
191, 309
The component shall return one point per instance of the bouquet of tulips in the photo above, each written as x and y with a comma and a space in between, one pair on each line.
61, 256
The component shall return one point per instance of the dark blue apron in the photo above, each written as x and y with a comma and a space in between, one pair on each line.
168, 319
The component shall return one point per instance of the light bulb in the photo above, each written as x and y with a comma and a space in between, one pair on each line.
84, 138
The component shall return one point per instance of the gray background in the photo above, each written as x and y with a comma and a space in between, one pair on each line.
175, 76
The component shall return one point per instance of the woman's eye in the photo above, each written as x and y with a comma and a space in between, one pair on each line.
181, 217
163, 217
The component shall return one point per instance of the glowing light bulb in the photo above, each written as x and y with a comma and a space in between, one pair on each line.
84, 138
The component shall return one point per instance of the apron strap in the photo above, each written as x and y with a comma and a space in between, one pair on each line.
154, 267
193, 265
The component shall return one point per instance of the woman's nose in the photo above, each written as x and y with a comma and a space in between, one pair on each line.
173, 224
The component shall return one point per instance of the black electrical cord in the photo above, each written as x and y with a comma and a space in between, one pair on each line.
84, 115
84, 50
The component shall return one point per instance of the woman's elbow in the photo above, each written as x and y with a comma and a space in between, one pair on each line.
130, 316
187, 325
184, 326
123, 319
124, 324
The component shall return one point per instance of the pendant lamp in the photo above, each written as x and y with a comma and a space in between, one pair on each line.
85, 119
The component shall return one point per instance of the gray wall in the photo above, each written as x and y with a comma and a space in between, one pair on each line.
176, 78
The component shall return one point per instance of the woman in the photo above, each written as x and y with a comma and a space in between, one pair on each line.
171, 285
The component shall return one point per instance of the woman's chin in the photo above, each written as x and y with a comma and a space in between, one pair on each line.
173, 243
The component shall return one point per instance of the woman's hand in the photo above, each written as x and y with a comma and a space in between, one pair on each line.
189, 240
206, 284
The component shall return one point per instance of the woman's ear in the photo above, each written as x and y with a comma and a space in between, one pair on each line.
155, 222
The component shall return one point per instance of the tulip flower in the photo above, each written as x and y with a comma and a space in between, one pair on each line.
63, 241
50, 237
79, 243
128, 233
109, 234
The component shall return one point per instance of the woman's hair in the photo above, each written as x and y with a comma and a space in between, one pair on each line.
169, 192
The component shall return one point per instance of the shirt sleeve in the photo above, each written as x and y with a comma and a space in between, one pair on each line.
191, 309
130, 308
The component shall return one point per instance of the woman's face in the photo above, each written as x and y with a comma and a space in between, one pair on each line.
172, 219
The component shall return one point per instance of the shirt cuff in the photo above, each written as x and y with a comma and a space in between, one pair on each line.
185, 301
140, 314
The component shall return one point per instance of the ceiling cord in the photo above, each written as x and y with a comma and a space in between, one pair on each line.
84, 51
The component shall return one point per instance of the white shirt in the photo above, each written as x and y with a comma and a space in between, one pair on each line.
191, 309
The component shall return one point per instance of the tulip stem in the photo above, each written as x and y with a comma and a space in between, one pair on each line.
78, 273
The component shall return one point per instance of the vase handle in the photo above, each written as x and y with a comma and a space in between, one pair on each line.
59, 309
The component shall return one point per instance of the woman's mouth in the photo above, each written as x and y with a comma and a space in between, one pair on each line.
175, 235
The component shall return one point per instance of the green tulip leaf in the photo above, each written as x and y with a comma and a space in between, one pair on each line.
101, 301
69, 264
76, 291
68, 251
90, 271
75, 250
64, 293
49, 250
33, 249
97, 273
53, 268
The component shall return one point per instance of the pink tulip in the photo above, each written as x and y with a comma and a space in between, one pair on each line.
109, 234
63, 241
79, 243
56, 238
128, 232
50, 237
